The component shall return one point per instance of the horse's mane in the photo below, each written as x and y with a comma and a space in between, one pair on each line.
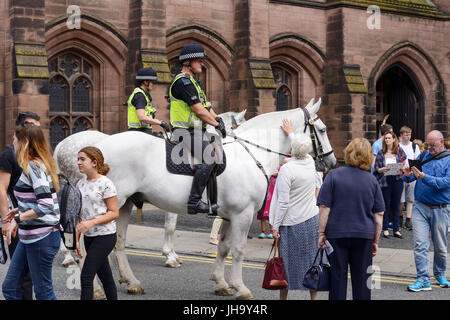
270, 120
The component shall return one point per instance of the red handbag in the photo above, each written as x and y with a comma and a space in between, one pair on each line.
274, 276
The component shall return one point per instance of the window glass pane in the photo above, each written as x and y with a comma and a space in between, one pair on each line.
80, 96
70, 65
87, 68
58, 94
283, 98
277, 75
58, 132
81, 125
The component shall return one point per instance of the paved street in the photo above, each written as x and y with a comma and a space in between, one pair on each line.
153, 217
190, 282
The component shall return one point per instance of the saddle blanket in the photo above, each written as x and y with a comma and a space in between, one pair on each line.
185, 168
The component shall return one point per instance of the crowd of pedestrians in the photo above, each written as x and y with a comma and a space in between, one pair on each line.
30, 215
357, 204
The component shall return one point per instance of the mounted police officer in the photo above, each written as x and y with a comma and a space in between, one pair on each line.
189, 110
141, 114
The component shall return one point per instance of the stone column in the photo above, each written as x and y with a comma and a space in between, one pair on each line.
147, 48
251, 79
5, 43
27, 78
339, 111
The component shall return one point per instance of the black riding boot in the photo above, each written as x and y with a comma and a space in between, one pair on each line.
195, 203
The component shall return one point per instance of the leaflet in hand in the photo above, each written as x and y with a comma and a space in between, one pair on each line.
394, 169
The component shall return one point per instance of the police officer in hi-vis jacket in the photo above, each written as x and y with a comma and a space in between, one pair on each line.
189, 110
141, 114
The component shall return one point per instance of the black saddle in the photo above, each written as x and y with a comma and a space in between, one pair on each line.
185, 168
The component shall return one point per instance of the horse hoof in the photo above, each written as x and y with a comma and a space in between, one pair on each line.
223, 292
69, 262
247, 296
172, 264
99, 295
136, 290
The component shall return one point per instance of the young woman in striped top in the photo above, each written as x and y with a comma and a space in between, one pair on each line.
36, 218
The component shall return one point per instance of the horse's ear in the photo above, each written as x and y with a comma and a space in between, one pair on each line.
310, 103
241, 115
314, 108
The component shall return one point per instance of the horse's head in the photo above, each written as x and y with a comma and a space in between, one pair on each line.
322, 150
232, 120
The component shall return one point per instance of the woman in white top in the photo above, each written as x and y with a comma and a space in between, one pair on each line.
294, 214
391, 184
100, 208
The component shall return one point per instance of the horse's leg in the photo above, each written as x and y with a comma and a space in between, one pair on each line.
223, 247
173, 261
126, 274
68, 259
240, 227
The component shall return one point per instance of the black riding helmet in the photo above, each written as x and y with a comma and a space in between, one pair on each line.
146, 74
192, 51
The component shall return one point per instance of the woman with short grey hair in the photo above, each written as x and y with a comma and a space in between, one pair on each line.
294, 214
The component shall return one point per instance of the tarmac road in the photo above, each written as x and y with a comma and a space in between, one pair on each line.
191, 281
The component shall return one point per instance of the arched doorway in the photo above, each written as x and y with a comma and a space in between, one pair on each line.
400, 95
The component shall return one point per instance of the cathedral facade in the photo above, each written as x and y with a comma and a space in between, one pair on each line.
74, 62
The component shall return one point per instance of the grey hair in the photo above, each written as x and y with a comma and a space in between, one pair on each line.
301, 145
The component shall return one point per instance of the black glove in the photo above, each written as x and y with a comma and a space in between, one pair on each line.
165, 126
221, 127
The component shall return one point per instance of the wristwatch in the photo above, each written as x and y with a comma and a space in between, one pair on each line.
17, 217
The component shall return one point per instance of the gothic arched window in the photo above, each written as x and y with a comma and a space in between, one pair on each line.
283, 80
71, 96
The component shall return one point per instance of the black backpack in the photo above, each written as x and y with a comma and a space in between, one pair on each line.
69, 198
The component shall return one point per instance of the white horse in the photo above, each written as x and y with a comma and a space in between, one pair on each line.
241, 188
66, 154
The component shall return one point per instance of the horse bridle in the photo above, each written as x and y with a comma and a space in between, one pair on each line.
319, 155
234, 123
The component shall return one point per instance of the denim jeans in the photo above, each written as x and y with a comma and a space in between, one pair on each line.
392, 194
436, 221
36, 258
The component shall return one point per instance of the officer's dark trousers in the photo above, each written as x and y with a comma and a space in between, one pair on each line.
27, 287
357, 253
203, 165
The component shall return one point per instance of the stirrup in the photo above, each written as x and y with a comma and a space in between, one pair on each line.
199, 207
213, 211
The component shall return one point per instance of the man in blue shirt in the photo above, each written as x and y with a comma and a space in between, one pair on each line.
431, 212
